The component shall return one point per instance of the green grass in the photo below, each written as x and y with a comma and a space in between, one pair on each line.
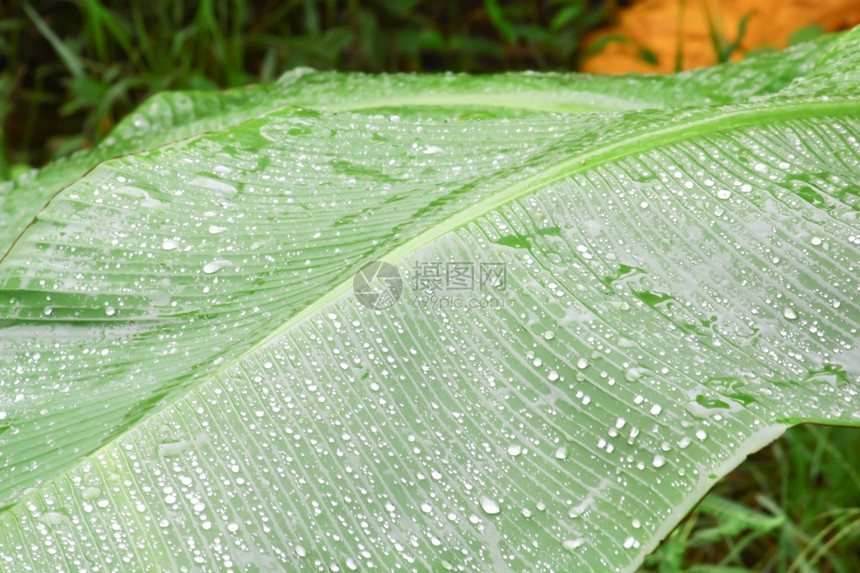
793, 507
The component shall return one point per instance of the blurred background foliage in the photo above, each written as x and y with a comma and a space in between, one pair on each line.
70, 69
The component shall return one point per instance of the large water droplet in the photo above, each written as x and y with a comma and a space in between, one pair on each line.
215, 266
489, 506
633, 374
571, 544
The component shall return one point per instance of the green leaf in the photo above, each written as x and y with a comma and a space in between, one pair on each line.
71, 60
565, 16
805, 34
663, 279
497, 17
733, 518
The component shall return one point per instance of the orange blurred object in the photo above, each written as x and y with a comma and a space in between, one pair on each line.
654, 24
